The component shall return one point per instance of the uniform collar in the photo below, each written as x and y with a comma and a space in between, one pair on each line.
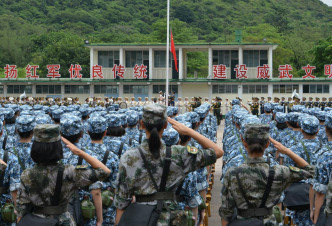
250, 160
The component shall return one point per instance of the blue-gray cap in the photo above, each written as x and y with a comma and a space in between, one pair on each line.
122, 111
71, 125
46, 109
110, 108
56, 114
53, 107
169, 111
281, 117
8, 113
201, 112
321, 115
248, 120
175, 110
43, 119
171, 137
38, 107
97, 124
123, 119
194, 117
84, 111
267, 107
296, 108
293, 117
132, 118
278, 108
25, 123
309, 124
25, 112
113, 120
235, 102
328, 120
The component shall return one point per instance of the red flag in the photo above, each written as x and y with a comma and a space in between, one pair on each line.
174, 52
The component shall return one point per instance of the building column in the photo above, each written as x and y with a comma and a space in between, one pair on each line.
5, 90
240, 55
210, 63
150, 90
330, 90
240, 90
92, 90
120, 84
210, 92
62, 91
270, 61
151, 64
180, 91
91, 61
180, 63
270, 90
33, 89
121, 55
300, 91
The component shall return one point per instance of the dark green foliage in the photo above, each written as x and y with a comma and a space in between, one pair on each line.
52, 31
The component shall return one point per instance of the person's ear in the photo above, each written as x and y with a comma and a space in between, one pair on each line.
245, 144
142, 124
165, 126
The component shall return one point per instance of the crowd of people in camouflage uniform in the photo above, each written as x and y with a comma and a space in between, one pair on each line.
97, 130
304, 131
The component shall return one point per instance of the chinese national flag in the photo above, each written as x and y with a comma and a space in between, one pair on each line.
174, 52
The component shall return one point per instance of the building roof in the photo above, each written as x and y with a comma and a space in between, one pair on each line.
177, 44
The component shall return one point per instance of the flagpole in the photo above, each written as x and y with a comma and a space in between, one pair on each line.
167, 53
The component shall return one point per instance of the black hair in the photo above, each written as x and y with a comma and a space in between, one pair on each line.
73, 138
154, 140
46, 153
56, 120
85, 117
116, 131
10, 120
96, 136
256, 145
125, 126
328, 130
293, 124
281, 125
194, 125
25, 134
184, 139
310, 134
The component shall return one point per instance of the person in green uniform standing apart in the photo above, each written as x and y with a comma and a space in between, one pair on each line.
216, 109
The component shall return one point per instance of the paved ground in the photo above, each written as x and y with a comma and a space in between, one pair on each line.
215, 220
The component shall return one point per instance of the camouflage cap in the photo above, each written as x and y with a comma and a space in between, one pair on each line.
248, 120
38, 107
201, 112
53, 107
328, 120
114, 120
8, 113
132, 118
321, 115
293, 117
267, 107
194, 117
110, 108
25, 123
235, 102
123, 118
56, 114
71, 125
46, 109
47, 133
43, 119
278, 108
296, 108
170, 137
169, 111
281, 117
257, 130
25, 112
309, 124
97, 124
154, 114
84, 111
175, 110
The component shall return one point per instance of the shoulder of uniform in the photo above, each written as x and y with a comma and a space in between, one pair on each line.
192, 150
81, 167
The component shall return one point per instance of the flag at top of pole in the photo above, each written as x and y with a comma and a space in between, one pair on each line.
167, 53
174, 52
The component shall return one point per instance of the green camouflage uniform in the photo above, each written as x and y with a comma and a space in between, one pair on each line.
253, 176
38, 183
328, 208
133, 178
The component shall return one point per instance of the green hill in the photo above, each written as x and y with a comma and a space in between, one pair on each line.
48, 31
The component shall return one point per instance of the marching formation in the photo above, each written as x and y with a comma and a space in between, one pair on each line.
98, 158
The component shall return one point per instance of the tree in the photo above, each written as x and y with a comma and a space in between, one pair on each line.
322, 54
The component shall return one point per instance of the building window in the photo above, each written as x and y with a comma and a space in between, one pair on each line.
103, 89
224, 57
160, 58
254, 58
316, 88
140, 89
77, 89
1, 89
158, 88
108, 58
136, 57
285, 88
48, 89
255, 88
224, 89
15, 89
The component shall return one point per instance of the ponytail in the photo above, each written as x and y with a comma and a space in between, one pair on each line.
154, 140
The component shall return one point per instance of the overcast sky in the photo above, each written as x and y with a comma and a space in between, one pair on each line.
327, 2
